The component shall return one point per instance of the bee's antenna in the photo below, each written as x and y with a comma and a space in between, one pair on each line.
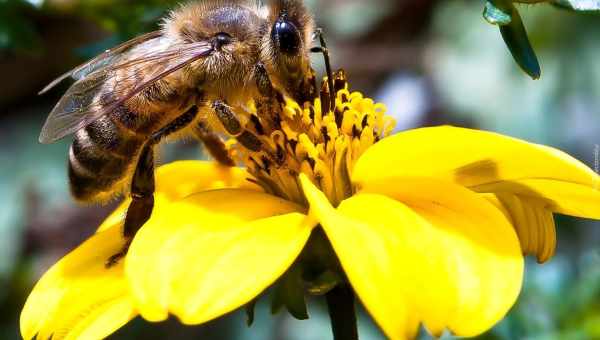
323, 49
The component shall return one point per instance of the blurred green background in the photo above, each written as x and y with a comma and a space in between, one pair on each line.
432, 62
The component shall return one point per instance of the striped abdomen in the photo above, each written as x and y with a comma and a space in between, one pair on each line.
101, 158
104, 154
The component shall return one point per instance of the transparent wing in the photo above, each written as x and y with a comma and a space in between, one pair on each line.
84, 102
103, 60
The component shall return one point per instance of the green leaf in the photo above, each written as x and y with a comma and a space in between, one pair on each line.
249, 309
496, 16
516, 39
504, 14
324, 283
579, 5
290, 293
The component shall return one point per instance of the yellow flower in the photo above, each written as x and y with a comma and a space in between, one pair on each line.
429, 226
80, 297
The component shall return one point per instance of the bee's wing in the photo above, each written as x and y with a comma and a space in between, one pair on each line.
103, 60
83, 103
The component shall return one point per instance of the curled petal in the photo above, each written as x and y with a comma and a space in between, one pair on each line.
558, 196
530, 203
451, 260
481, 160
533, 222
79, 297
177, 180
213, 252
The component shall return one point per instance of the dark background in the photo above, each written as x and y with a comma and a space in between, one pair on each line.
431, 62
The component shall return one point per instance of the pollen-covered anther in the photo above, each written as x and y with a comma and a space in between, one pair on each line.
321, 143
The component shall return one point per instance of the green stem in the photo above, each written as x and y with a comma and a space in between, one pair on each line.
340, 302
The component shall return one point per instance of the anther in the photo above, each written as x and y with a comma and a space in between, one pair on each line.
280, 155
293, 144
355, 132
365, 121
257, 125
325, 99
326, 138
266, 164
339, 81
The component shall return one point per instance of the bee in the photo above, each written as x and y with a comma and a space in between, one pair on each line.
205, 63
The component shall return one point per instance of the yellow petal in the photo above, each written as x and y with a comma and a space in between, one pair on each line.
530, 204
213, 252
481, 160
530, 216
79, 298
177, 180
561, 197
450, 260
534, 224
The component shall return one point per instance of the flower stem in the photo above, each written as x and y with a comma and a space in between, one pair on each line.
340, 302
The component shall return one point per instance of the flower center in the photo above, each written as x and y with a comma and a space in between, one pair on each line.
322, 139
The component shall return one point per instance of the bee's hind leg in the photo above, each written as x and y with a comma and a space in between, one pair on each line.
213, 144
143, 184
142, 201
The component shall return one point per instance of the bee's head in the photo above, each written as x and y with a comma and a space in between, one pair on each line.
287, 46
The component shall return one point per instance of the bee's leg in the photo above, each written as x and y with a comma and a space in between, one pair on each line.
143, 183
142, 201
263, 82
233, 126
268, 106
213, 144
246, 138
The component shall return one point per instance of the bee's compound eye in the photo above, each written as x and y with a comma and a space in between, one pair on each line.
286, 36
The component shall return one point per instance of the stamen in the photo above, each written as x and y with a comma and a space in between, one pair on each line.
323, 144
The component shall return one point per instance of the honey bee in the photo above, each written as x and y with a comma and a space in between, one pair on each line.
208, 59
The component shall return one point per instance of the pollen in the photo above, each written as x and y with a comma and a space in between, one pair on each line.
322, 138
